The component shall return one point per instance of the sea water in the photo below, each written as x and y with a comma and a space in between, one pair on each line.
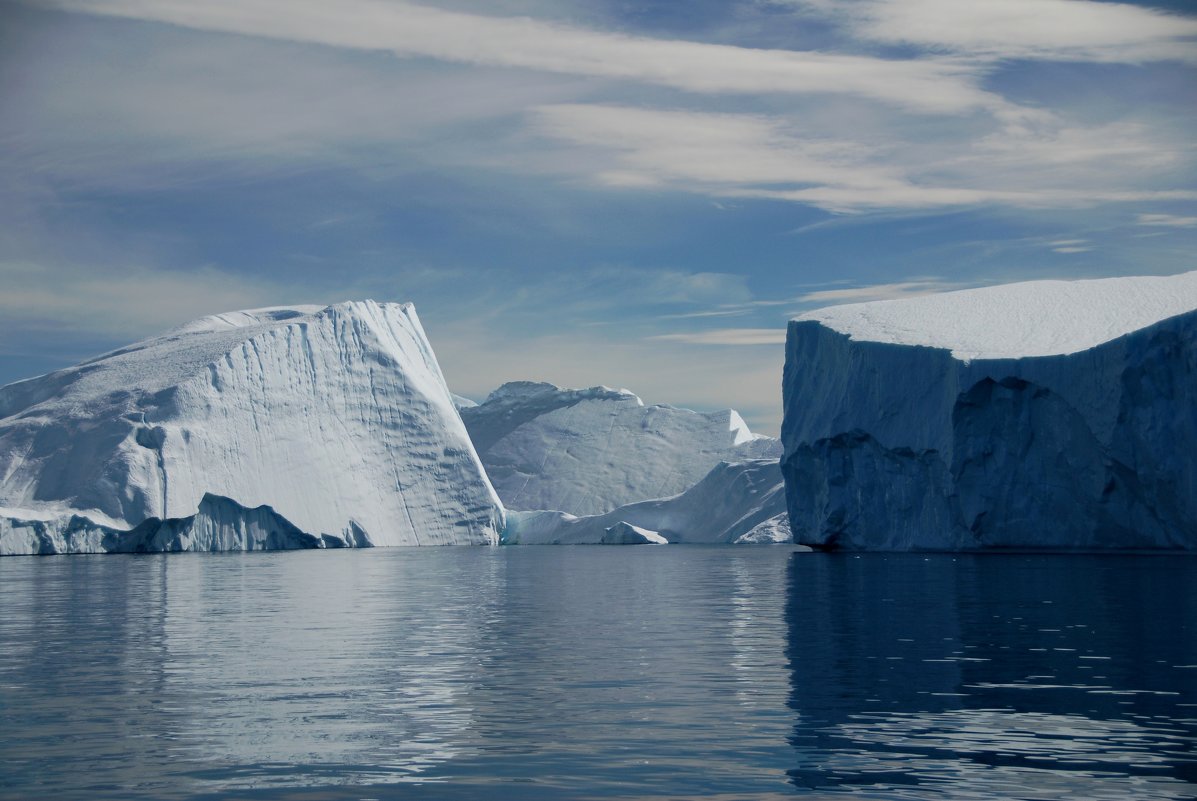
598, 672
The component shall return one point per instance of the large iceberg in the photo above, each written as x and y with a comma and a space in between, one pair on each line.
270, 428
588, 451
1045, 414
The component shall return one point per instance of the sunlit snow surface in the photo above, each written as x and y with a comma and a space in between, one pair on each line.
588, 451
737, 502
577, 462
270, 428
1011, 321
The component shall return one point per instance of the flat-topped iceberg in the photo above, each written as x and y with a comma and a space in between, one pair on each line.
269, 428
588, 451
1046, 414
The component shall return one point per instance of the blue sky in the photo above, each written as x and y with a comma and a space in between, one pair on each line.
636, 194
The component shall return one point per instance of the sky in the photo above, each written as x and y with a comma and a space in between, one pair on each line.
635, 194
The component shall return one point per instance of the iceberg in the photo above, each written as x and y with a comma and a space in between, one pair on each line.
269, 428
736, 502
589, 451
1038, 415
626, 534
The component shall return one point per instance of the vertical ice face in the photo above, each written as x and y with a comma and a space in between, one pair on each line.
588, 451
1046, 414
337, 420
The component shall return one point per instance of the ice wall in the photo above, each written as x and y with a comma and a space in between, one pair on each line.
893, 444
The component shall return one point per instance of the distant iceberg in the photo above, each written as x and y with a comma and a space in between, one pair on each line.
735, 503
626, 534
588, 466
588, 451
269, 428
1045, 414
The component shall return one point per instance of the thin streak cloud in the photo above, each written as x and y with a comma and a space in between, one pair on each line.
1050, 30
928, 84
728, 336
755, 156
1167, 221
860, 294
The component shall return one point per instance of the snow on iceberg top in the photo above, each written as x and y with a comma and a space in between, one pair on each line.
1010, 321
534, 398
587, 451
246, 318
163, 361
525, 391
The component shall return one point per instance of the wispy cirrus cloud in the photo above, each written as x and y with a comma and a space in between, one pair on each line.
1070, 246
856, 152
891, 291
406, 29
1167, 221
1044, 164
1053, 30
63, 298
728, 336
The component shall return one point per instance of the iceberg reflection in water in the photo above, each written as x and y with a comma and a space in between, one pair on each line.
998, 676
588, 672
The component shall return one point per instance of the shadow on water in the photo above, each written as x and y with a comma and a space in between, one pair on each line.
1002, 676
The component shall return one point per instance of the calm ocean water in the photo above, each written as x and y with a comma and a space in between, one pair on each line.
590, 672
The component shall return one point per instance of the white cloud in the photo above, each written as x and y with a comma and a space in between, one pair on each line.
728, 336
660, 147
730, 312
211, 98
622, 287
129, 302
928, 84
1030, 164
1057, 30
861, 294
140, 110
1070, 246
1167, 220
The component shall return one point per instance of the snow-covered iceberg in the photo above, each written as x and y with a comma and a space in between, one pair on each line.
269, 428
1045, 414
626, 534
737, 502
588, 451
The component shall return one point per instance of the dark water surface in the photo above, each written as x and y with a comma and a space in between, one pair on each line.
589, 672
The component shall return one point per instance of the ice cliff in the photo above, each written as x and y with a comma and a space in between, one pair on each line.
269, 428
1045, 414
588, 451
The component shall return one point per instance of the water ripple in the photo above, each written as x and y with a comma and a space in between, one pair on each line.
546, 673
